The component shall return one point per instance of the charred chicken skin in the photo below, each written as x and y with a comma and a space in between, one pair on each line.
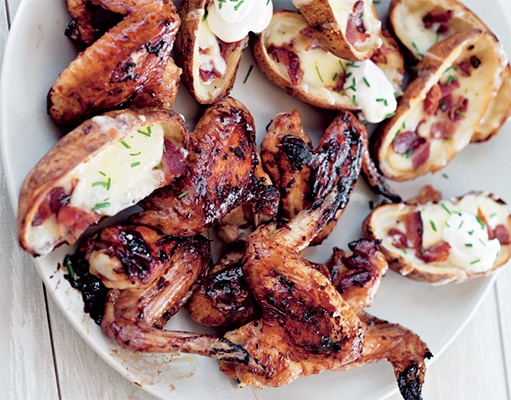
151, 276
222, 161
129, 65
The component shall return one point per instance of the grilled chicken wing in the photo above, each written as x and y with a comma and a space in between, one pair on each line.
222, 161
129, 64
153, 276
298, 171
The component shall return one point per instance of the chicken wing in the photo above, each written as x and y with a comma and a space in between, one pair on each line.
129, 64
222, 161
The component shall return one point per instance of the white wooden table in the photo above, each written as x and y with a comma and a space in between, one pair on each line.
41, 356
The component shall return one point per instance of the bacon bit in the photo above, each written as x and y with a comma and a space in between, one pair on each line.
355, 29
420, 154
436, 16
414, 229
436, 253
207, 75
75, 220
466, 65
406, 141
427, 194
339, 82
399, 238
442, 129
458, 112
310, 32
173, 161
284, 55
448, 88
51, 205
501, 233
432, 100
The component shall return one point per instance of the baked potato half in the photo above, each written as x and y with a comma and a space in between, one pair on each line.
445, 241
289, 54
350, 29
420, 24
441, 108
209, 64
103, 166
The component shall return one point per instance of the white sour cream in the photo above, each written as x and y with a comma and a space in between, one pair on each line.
372, 91
232, 20
468, 238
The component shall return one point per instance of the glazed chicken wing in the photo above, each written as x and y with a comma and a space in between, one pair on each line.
152, 276
222, 161
129, 65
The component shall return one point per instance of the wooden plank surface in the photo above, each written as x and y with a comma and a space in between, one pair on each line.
476, 366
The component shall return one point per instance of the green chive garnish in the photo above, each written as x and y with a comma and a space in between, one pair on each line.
181, 195
125, 144
433, 226
366, 81
135, 164
319, 74
445, 208
99, 206
248, 74
147, 132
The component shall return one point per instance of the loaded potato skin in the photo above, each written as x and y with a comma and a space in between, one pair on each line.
209, 64
441, 108
419, 25
106, 164
449, 240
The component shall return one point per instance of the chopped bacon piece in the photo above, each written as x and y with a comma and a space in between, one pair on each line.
501, 233
51, 205
458, 111
406, 141
285, 55
75, 220
355, 29
208, 74
448, 88
427, 194
466, 65
339, 82
442, 129
399, 238
436, 16
436, 253
432, 100
172, 162
420, 154
414, 229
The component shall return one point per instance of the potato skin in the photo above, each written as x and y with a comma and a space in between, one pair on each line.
192, 13
401, 264
73, 149
320, 15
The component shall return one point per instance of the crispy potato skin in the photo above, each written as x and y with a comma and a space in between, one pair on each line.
499, 110
320, 15
431, 68
192, 13
402, 264
72, 150
115, 72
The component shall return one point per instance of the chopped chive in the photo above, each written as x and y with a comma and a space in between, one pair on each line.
135, 154
65, 200
468, 245
483, 226
125, 144
101, 205
158, 166
238, 5
445, 176
396, 135
334, 78
475, 261
99, 183
382, 100
408, 154
352, 64
450, 79
69, 267
205, 16
343, 67
390, 115
319, 74
451, 67
404, 251
135, 164
461, 224
354, 100
248, 73
433, 226
493, 215
108, 182
147, 132
471, 232
445, 208
267, 2
102, 173
183, 194
419, 54
366, 81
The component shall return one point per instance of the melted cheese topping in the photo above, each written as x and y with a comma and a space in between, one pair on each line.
232, 20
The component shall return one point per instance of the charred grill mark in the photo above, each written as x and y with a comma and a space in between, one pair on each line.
125, 71
156, 48
297, 151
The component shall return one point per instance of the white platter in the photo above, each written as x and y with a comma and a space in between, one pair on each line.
37, 51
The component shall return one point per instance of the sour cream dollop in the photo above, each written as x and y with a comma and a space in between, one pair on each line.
468, 237
372, 91
233, 20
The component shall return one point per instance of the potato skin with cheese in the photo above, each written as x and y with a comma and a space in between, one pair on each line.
418, 25
188, 54
457, 80
42, 195
340, 31
406, 261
